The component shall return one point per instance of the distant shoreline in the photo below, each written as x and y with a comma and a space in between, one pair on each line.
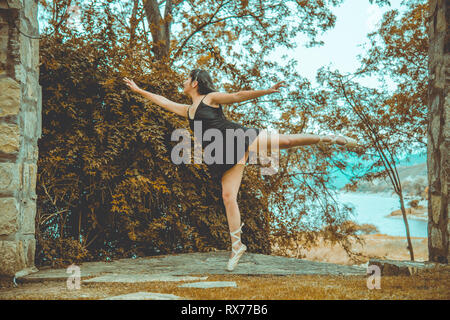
409, 216
379, 246
386, 236
385, 194
420, 213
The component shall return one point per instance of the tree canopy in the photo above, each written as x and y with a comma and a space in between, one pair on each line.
106, 185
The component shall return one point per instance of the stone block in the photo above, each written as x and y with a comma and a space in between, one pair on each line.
29, 180
9, 138
29, 125
440, 72
31, 87
19, 72
25, 180
436, 238
25, 47
435, 208
9, 216
31, 153
34, 54
15, 4
32, 178
441, 25
30, 11
30, 251
3, 43
9, 177
28, 217
39, 115
9, 96
13, 258
405, 268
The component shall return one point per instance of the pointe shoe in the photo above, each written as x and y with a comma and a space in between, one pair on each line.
232, 262
350, 142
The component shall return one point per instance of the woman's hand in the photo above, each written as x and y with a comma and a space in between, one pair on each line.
131, 84
276, 87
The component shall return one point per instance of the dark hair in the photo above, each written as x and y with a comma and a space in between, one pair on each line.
205, 84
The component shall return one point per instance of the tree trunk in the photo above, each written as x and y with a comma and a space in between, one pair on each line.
133, 23
405, 220
159, 27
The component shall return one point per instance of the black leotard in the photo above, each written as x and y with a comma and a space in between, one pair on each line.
212, 117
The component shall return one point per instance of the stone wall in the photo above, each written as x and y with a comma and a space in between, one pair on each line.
20, 128
438, 132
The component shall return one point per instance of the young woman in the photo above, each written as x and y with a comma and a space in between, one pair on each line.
207, 108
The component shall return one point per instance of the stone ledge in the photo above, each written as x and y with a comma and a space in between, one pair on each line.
146, 296
209, 284
25, 272
198, 263
401, 268
134, 278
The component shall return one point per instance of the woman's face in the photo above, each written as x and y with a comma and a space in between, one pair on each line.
188, 86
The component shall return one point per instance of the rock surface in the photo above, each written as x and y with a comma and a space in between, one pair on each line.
420, 213
209, 284
197, 263
397, 268
132, 278
145, 296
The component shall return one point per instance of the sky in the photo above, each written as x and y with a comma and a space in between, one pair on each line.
354, 20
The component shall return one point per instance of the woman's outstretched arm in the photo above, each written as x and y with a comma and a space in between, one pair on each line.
228, 98
178, 108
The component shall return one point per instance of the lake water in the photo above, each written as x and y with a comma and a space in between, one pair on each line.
373, 208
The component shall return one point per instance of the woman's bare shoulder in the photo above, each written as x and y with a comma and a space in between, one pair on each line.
209, 100
219, 98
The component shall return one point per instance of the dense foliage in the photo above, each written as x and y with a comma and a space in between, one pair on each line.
107, 187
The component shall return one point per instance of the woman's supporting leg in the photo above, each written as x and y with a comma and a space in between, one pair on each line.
231, 181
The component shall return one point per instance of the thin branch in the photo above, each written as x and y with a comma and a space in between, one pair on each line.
199, 28
377, 140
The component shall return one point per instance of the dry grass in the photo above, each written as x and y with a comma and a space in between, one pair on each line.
292, 287
374, 246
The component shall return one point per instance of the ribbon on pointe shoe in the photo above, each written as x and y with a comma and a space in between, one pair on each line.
232, 262
349, 142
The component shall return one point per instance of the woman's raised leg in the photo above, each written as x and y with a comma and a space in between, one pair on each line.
274, 141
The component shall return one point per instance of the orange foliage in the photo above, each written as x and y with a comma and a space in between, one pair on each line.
106, 180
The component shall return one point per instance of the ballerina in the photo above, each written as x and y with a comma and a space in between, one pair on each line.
207, 108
